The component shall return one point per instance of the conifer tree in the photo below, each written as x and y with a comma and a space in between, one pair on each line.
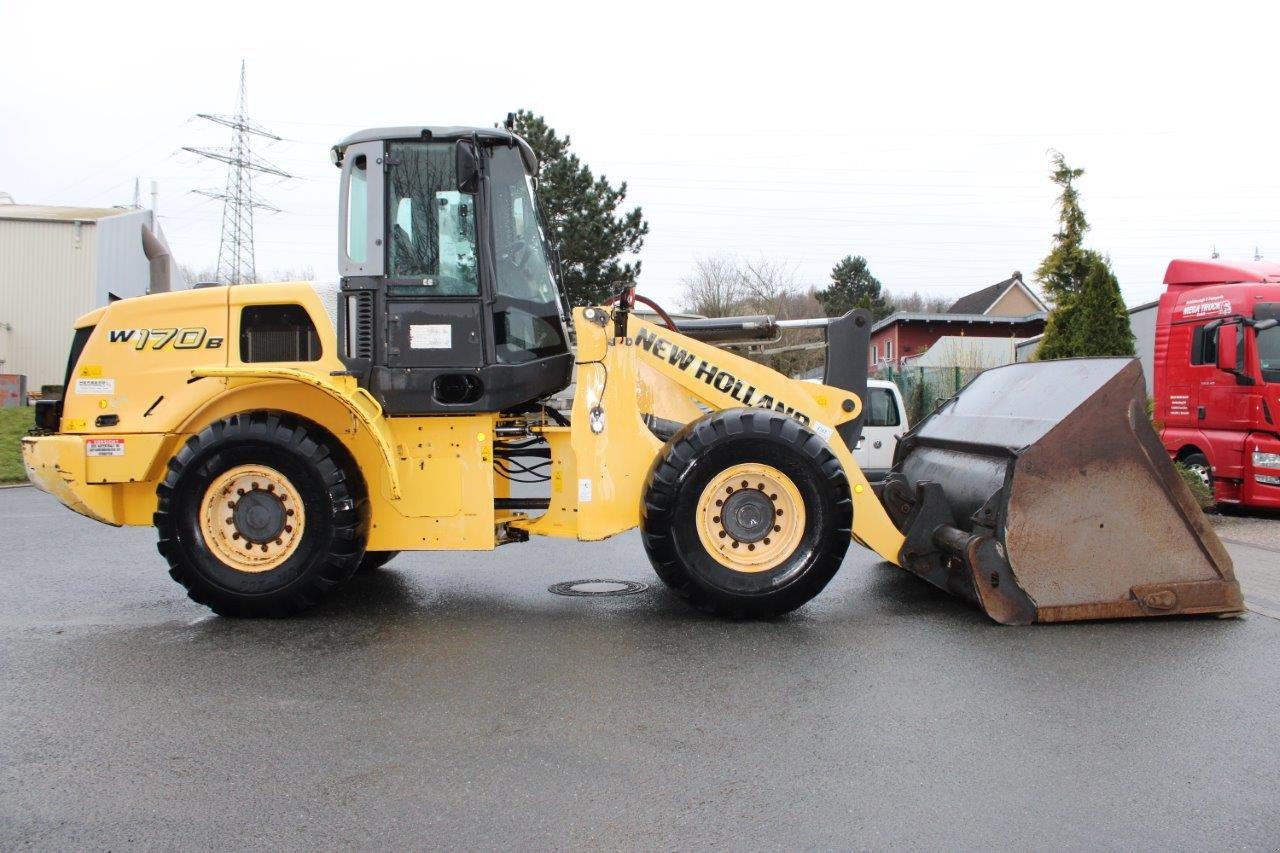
585, 218
1088, 316
853, 286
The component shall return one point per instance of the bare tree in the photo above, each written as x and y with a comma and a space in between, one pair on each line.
918, 303
193, 276
714, 289
768, 285
304, 273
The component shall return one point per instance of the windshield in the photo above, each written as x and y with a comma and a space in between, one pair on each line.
1269, 353
1269, 341
527, 309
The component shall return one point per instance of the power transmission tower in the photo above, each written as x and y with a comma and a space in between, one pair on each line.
235, 248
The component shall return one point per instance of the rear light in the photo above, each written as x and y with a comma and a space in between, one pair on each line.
1267, 479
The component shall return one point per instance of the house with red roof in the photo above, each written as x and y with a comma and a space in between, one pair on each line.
1007, 310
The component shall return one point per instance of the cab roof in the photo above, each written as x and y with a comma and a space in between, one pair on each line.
439, 134
1190, 272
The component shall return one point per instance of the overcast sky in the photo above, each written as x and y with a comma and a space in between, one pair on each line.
914, 134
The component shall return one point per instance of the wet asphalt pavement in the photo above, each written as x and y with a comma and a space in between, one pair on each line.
450, 700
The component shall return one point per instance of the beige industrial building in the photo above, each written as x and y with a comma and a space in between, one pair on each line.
57, 263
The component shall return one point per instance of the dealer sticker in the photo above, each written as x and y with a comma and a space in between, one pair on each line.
104, 447
96, 386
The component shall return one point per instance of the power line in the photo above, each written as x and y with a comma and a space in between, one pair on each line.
235, 246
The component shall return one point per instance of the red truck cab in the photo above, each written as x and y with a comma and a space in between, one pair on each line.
1217, 376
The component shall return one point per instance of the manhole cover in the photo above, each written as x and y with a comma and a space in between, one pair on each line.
597, 587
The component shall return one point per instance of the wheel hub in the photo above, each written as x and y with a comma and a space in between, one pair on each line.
747, 515
750, 517
252, 518
259, 516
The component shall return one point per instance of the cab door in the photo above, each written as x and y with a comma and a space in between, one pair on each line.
885, 423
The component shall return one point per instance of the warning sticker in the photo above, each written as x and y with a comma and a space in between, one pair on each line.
431, 336
104, 447
96, 386
584, 490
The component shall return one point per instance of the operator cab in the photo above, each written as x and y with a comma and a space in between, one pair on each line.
450, 301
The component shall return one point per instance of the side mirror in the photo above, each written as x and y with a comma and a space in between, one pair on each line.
1229, 341
467, 167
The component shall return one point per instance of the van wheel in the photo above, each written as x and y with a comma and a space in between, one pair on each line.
1199, 463
375, 560
746, 514
260, 516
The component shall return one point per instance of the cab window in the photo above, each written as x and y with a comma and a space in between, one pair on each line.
358, 212
1204, 347
526, 316
882, 408
432, 225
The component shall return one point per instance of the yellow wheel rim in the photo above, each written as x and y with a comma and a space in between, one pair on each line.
759, 528
252, 518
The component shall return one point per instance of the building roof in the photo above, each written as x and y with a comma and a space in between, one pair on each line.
982, 301
49, 213
914, 317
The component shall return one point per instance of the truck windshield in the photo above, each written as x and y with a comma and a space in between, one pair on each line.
1269, 341
526, 315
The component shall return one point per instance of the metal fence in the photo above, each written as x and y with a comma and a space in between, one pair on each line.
925, 388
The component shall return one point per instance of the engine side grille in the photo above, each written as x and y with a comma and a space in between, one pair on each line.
361, 319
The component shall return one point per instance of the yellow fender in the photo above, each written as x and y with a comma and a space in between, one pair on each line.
358, 401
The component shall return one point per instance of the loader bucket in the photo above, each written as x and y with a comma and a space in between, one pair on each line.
1042, 494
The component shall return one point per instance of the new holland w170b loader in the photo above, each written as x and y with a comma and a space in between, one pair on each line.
279, 437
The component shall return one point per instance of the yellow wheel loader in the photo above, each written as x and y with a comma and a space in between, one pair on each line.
281, 436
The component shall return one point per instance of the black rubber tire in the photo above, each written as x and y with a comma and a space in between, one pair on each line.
696, 454
375, 560
332, 541
1199, 463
